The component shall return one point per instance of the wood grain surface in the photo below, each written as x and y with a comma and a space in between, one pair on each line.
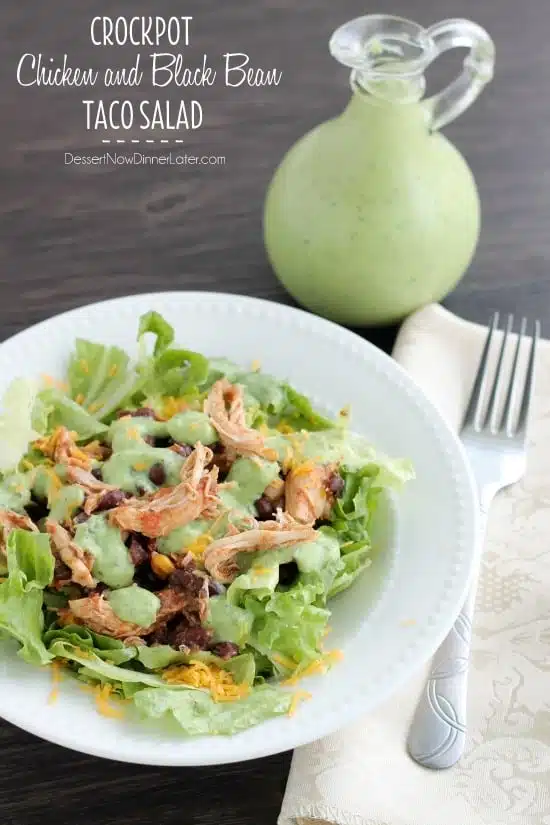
70, 235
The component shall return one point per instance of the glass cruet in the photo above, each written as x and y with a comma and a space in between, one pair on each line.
375, 213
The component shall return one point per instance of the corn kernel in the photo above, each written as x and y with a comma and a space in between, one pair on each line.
161, 565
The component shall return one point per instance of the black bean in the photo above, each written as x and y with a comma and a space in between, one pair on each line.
336, 484
157, 474
96, 472
225, 650
137, 551
81, 517
110, 499
184, 450
264, 508
288, 573
141, 412
144, 577
163, 441
37, 510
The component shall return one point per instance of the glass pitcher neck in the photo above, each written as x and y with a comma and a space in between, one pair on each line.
389, 55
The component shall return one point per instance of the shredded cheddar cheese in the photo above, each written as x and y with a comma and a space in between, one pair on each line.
197, 547
304, 468
48, 445
256, 365
285, 428
55, 483
113, 370
50, 381
197, 674
79, 398
288, 459
56, 680
408, 622
102, 695
284, 661
94, 407
319, 666
140, 466
172, 406
94, 450
299, 696
84, 366
133, 433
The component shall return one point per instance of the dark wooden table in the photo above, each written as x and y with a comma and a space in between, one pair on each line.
70, 235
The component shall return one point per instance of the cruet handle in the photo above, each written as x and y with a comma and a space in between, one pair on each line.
477, 68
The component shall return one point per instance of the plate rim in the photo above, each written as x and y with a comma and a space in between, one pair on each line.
407, 669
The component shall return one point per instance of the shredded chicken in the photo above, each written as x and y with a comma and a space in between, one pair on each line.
88, 482
13, 521
96, 613
225, 407
275, 491
77, 560
307, 494
158, 514
220, 557
60, 446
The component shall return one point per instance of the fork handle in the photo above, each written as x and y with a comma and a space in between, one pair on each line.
438, 730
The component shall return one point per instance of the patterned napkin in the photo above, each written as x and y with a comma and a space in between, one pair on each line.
362, 775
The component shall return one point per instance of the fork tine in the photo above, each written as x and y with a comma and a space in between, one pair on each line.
529, 383
506, 422
473, 409
492, 412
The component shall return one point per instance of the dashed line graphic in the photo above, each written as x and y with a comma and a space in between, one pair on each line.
135, 141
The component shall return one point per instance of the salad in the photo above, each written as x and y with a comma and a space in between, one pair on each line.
173, 529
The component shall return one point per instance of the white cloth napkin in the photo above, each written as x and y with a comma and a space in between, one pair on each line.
362, 775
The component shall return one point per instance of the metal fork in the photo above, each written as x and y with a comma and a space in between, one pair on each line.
495, 443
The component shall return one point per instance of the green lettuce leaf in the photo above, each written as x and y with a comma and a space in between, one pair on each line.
197, 714
159, 656
29, 555
228, 622
93, 667
15, 491
176, 372
30, 569
290, 627
99, 377
104, 647
60, 410
17, 426
163, 332
353, 564
299, 413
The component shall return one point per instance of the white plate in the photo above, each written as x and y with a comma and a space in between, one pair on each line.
387, 625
